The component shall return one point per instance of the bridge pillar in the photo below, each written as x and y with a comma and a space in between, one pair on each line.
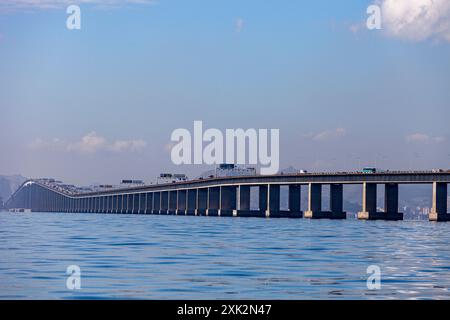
191, 204
148, 203
228, 201
202, 202
295, 192
369, 210
315, 202
119, 203
439, 203
213, 201
274, 200
123, 208
337, 200
98, 204
134, 203
105, 204
172, 202
113, 208
156, 202
142, 202
128, 203
263, 199
80, 204
294, 202
243, 201
181, 202
164, 202
102, 204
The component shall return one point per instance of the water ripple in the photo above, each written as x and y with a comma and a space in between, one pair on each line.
160, 257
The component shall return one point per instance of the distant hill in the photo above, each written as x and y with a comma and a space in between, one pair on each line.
9, 184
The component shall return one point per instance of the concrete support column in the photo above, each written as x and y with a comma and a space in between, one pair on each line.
369, 202
191, 205
172, 202
113, 204
156, 202
439, 203
337, 198
125, 204
136, 199
105, 204
274, 200
213, 201
369, 210
112, 208
149, 203
164, 202
97, 204
391, 198
263, 198
143, 203
109, 204
120, 203
202, 201
243, 198
228, 201
294, 197
181, 202
315, 202
102, 204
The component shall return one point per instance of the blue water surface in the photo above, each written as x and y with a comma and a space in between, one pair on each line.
185, 257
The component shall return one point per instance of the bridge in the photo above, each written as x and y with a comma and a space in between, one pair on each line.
230, 196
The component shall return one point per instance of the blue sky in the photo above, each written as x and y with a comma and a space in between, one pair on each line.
341, 95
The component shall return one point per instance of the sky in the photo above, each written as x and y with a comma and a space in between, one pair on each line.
99, 104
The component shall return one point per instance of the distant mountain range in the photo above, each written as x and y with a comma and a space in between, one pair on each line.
9, 184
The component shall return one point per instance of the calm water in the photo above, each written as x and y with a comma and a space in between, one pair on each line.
159, 257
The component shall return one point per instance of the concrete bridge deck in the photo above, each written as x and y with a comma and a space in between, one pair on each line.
230, 196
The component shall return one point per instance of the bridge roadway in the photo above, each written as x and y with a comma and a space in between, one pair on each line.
230, 196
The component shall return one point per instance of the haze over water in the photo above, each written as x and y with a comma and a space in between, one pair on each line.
174, 257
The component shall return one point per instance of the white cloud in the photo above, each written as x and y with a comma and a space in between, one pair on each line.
127, 145
55, 4
424, 138
90, 143
239, 25
327, 135
416, 20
